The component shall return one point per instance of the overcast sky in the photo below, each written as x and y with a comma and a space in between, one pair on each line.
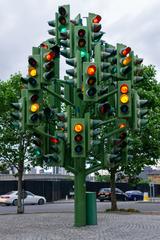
135, 23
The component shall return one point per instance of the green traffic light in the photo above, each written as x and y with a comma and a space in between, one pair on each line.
37, 152
63, 29
83, 53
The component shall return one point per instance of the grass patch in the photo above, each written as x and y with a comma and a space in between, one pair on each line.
123, 210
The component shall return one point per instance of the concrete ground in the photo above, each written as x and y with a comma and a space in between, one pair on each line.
59, 226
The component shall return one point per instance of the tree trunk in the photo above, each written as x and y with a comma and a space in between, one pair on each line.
113, 194
20, 205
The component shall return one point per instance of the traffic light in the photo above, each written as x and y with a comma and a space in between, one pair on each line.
54, 30
50, 64
139, 112
67, 42
34, 70
76, 72
101, 59
19, 113
137, 69
124, 100
112, 59
90, 82
39, 141
92, 131
56, 151
119, 150
81, 41
124, 59
94, 27
63, 20
78, 138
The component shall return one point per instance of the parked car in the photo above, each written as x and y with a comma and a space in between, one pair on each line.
105, 194
11, 198
134, 195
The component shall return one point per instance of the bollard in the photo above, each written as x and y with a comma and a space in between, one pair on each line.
91, 208
145, 197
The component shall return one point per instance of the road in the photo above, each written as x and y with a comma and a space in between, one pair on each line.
65, 206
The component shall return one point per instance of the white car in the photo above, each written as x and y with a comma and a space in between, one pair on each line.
10, 198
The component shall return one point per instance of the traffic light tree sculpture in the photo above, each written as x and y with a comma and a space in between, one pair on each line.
73, 118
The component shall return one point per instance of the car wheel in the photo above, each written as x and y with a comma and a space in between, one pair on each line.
15, 202
41, 201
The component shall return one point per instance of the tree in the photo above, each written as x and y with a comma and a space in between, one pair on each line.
146, 143
14, 144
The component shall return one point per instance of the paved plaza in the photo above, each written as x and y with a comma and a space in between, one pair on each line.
59, 226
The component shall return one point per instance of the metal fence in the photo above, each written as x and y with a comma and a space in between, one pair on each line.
54, 190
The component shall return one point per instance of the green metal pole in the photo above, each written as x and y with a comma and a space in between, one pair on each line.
80, 192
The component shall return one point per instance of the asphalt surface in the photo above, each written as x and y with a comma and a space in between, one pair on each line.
64, 206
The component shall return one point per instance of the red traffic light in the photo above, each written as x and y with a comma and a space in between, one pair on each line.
125, 51
81, 33
78, 138
49, 56
54, 140
104, 108
32, 61
91, 70
97, 19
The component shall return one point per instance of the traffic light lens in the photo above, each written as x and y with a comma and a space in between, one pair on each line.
78, 127
78, 138
124, 88
81, 43
81, 33
97, 19
124, 98
97, 28
32, 61
83, 53
32, 81
54, 140
78, 149
104, 108
34, 117
91, 81
32, 72
49, 56
34, 107
62, 20
124, 109
122, 125
34, 98
49, 65
126, 51
127, 60
91, 70
62, 11
37, 152
91, 92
